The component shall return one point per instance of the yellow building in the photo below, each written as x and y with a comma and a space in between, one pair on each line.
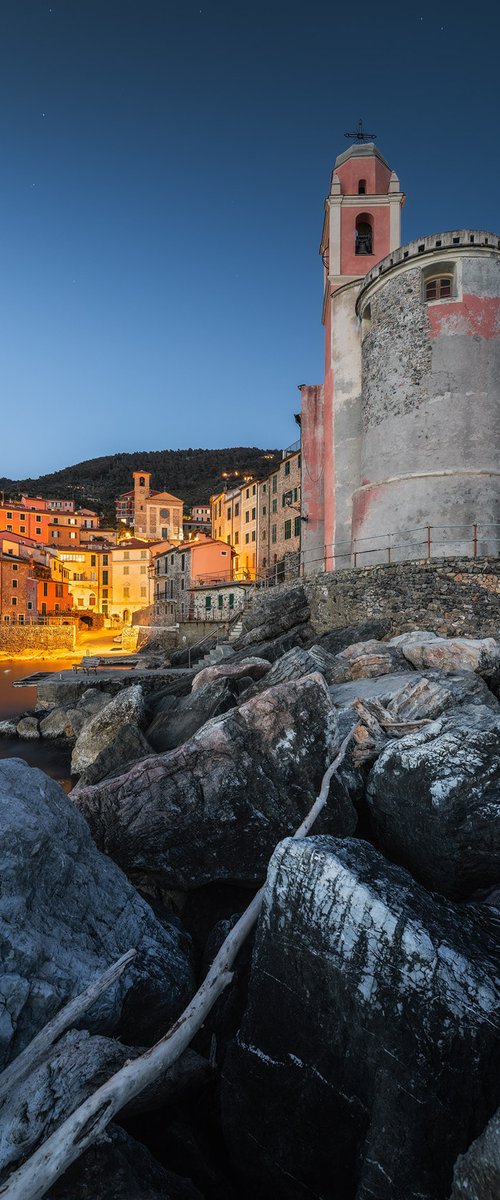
89, 577
235, 521
156, 514
131, 578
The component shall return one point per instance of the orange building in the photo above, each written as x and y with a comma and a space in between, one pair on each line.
178, 572
40, 525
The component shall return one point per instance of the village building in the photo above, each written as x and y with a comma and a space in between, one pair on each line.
18, 589
40, 524
234, 521
156, 514
183, 574
130, 562
279, 513
89, 578
401, 441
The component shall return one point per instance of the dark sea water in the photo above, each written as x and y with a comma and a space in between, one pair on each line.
51, 757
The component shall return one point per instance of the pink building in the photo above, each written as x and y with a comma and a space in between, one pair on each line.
388, 445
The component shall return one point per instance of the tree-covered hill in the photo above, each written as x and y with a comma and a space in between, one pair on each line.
193, 475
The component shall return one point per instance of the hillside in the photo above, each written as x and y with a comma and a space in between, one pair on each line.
193, 475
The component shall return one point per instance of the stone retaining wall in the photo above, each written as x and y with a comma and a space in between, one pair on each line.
23, 639
449, 596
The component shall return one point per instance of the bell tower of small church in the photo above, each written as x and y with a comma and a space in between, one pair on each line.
142, 480
362, 214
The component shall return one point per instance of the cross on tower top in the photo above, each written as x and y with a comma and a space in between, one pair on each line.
359, 135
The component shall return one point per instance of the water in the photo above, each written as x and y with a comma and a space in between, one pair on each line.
51, 757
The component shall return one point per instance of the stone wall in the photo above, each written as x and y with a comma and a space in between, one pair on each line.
449, 596
31, 639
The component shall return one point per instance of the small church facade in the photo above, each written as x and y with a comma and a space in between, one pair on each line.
401, 442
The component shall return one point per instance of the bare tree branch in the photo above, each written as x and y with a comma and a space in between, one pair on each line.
35, 1052
32, 1180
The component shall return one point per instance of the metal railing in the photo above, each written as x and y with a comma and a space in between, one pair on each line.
422, 543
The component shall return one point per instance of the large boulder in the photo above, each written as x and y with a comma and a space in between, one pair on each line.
179, 719
296, 663
66, 913
477, 1173
366, 660
472, 654
62, 723
254, 668
128, 745
27, 728
335, 640
367, 1055
434, 801
215, 808
462, 687
117, 1167
272, 613
127, 708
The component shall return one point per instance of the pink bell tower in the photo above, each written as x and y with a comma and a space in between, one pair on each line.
362, 224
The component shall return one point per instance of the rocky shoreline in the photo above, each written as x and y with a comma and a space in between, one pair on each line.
354, 1054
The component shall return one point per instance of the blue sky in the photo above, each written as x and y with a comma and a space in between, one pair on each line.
162, 175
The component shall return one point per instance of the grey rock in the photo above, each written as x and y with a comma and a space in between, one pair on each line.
117, 1167
474, 654
27, 728
178, 721
128, 745
337, 640
272, 613
414, 638
8, 729
366, 660
477, 1172
254, 667
382, 687
215, 808
296, 663
66, 913
92, 701
62, 722
101, 730
367, 1055
434, 801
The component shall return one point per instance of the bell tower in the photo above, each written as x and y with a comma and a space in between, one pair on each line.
362, 215
142, 480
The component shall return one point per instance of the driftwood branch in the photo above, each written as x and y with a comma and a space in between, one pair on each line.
35, 1052
33, 1179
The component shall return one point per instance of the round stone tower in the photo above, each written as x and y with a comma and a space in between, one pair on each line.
429, 324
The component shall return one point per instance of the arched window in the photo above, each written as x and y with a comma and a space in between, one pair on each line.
439, 288
439, 282
364, 234
142, 481
361, 187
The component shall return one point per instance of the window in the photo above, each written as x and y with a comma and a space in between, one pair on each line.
275, 505
29, 604
287, 467
231, 600
142, 481
236, 510
253, 514
236, 538
288, 530
247, 537
264, 487
55, 521
254, 489
275, 483
104, 593
143, 570
220, 508
208, 603
14, 583
14, 601
363, 237
220, 601
126, 555
228, 539
126, 570
286, 499
253, 535
143, 591
247, 515
263, 535
229, 514
183, 562
9, 516
105, 560
14, 565
439, 288
247, 493
296, 527
362, 187
105, 578
264, 510
182, 584
126, 593
273, 533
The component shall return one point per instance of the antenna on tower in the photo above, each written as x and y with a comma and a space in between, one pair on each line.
359, 135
